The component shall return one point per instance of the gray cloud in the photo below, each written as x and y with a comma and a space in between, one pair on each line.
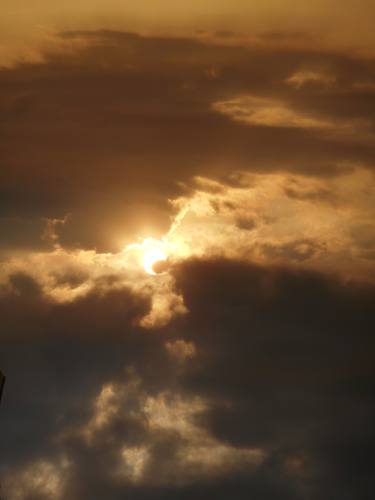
280, 382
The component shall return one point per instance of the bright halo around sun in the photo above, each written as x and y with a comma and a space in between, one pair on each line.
150, 251
153, 251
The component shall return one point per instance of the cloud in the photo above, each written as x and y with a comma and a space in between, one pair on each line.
39, 479
241, 368
270, 219
250, 411
180, 349
64, 276
310, 77
281, 218
279, 363
113, 124
166, 448
267, 112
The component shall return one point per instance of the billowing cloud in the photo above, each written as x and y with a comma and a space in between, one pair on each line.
187, 256
261, 218
133, 420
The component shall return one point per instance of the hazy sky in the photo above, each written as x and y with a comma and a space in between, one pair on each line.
345, 25
187, 249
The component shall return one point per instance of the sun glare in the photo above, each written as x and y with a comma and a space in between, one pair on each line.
150, 251
153, 251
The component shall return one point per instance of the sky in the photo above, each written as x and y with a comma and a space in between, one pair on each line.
187, 250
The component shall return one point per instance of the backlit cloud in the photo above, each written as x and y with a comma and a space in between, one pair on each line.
187, 250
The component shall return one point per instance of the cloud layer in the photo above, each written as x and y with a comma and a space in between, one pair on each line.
112, 123
187, 276
268, 372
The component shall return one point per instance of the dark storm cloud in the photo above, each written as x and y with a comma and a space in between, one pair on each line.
298, 314
56, 357
284, 360
289, 360
105, 129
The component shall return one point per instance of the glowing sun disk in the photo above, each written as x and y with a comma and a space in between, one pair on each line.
152, 251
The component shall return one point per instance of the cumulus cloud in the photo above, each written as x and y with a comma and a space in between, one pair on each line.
281, 219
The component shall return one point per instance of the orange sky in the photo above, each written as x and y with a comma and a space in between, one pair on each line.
187, 249
25, 27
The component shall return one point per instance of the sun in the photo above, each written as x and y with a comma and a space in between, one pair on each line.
152, 251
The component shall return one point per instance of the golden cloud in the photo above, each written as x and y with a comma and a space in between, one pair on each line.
273, 219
